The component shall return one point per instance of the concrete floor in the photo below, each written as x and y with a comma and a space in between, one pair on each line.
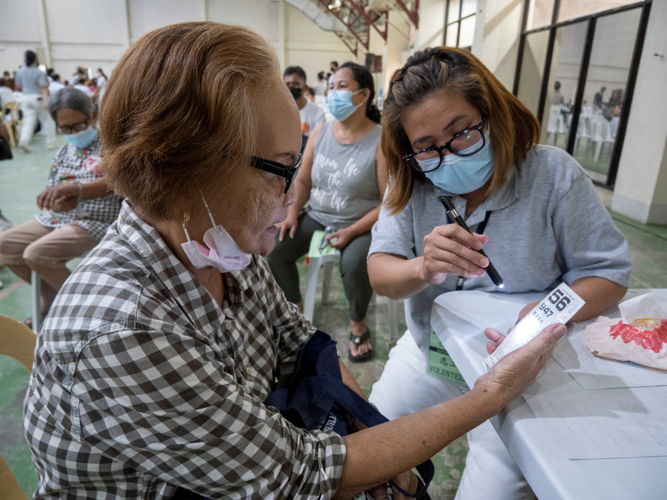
23, 178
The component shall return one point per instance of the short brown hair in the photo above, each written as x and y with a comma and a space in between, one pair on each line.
178, 108
513, 128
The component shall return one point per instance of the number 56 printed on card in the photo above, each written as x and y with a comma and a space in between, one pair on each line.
557, 307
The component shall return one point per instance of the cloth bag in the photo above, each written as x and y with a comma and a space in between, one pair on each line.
314, 397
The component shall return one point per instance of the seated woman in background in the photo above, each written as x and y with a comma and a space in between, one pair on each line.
451, 128
152, 368
77, 204
343, 176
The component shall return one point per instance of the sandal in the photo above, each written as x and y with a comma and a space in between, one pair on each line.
366, 337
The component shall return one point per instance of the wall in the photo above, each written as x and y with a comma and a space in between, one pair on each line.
308, 46
398, 39
95, 33
500, 24
641, 184
431, 23
18, 31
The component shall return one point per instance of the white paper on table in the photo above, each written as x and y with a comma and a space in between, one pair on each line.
649, 305
592, 372
611, 423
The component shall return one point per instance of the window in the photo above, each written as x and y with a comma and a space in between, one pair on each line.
576, 71
562, 87
460, 23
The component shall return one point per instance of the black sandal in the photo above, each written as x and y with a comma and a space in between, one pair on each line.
366, 337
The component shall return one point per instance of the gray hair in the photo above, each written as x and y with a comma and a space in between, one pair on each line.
73, 99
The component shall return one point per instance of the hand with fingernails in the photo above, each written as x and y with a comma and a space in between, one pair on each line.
451, 249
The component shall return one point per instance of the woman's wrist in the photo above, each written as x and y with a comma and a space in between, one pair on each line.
293, 213
418, 270
491, 398
352, 230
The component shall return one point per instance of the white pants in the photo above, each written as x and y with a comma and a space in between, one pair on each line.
33, 110
405, 387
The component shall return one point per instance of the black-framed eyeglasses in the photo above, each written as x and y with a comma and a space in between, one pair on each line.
465, 143
73, 129
273, 167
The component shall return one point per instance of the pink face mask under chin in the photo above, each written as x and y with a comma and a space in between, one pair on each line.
219, 249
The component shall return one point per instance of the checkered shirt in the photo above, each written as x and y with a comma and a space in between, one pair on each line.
142, 383
95, 215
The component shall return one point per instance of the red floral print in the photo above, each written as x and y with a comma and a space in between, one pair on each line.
649, 333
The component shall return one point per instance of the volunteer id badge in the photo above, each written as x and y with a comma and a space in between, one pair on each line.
440, 362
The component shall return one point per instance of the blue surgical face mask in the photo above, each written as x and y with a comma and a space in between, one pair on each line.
461, 174
82, 139
340, 104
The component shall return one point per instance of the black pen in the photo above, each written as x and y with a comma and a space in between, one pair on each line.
456, 217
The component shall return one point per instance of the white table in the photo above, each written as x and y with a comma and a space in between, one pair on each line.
549, 472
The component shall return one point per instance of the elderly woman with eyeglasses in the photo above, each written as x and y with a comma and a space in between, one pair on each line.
152, 369
451, 129
77, 205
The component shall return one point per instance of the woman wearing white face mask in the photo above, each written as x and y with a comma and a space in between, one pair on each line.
343, 176
77, 206
450, 128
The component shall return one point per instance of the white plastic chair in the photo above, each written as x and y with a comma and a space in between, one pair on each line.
328, 262
555, 124
313, 273
613, 126
583, 131
601, 134
584, 127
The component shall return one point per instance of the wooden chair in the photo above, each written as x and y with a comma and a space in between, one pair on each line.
10, 487
17, 341
14, 122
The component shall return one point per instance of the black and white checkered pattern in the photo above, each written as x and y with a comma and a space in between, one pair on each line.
94, 215
142, 383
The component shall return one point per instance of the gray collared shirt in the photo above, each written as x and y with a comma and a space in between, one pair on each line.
546, 226
30, 78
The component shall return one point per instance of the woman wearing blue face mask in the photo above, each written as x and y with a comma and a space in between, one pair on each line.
450, 128
343, 176
77, 206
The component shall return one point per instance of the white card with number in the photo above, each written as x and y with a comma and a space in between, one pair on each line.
558, 307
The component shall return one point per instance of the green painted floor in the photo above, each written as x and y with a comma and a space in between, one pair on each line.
23, 178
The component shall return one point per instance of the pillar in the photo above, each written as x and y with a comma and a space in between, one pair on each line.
641, 183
